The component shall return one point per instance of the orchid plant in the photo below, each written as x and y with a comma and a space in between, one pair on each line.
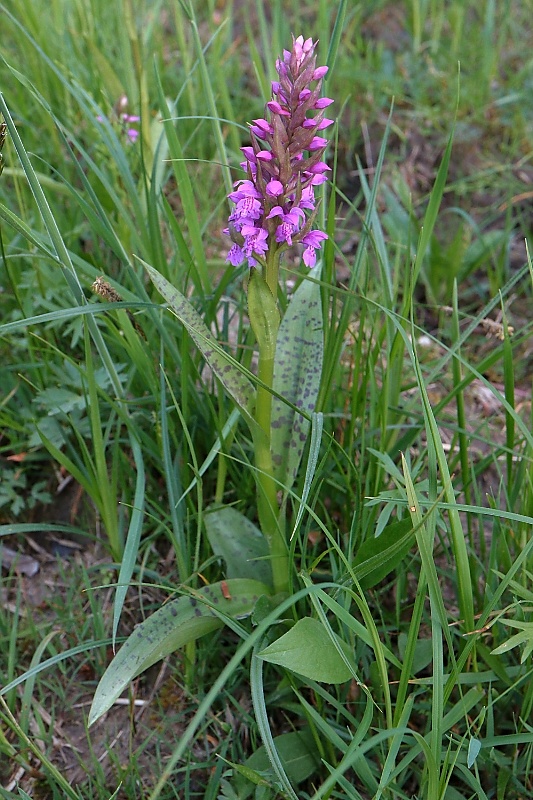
273, 208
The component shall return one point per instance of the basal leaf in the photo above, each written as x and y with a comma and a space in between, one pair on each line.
423, 654
240, 543
298, 754
308, 650
297, 374
380, 555
173, 625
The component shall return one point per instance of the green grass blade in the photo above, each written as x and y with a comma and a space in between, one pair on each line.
133, 538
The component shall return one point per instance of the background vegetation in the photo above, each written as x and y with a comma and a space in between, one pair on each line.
109, 418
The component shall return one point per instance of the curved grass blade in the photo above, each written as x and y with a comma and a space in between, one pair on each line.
225, 368
131, 548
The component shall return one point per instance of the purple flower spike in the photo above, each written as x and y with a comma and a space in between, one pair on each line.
283, 165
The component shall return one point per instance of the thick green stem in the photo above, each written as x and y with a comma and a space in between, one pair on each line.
264, 318
270, 518
271, 268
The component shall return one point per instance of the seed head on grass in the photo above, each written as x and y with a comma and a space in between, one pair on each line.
283, 165
3, 134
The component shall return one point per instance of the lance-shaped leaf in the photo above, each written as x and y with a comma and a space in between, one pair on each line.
239, 542
297, 373
309, 650
225, 368
298, 753
173, 625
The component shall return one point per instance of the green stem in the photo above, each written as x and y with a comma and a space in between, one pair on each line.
271, 268
264, 318
270, 518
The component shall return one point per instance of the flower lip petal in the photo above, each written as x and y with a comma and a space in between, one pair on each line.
309, 257
284, 233
235, 255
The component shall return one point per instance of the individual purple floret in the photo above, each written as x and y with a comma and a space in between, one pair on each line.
283, 165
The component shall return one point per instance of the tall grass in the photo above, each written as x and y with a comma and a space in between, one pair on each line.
412, 516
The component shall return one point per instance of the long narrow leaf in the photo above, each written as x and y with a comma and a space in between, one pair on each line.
227, 370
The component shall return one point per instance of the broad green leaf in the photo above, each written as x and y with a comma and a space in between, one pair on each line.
265, 606
453, 794
308, 650
173, 625
297, 751
380, 555
423, 654
225, 368
240, 543
297, 374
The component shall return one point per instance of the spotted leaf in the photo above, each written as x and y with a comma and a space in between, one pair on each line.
297, 373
